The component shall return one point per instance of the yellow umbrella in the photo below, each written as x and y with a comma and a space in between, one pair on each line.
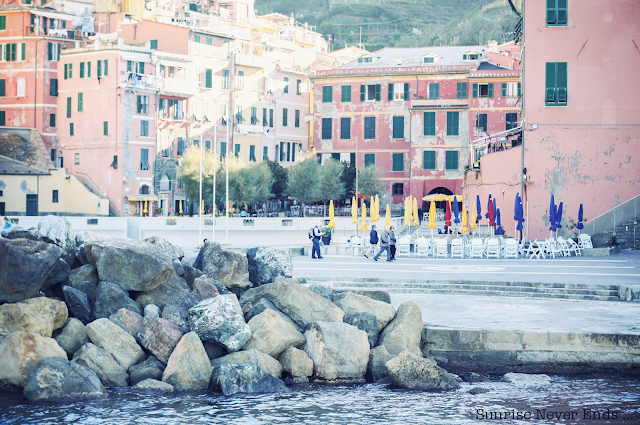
180, 206
432, 215
354, 211
416, 219
144, 211
331, 222
436, 197
372, 211
474, 215
363, 226
387, 216
464, 228
202, 209
407, 211
377, 208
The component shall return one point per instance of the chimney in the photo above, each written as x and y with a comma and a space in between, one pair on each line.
493, 46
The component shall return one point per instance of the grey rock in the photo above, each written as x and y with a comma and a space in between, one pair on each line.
73, 336
267, 363
376, 369
175, 314
228, 267
271, 334
151, 311
165, 293
416, 373
234, 300
79, 303
24, 266
214, 351
265, 304
160, 337
57, 230
373, 294
153, 385
244, 378
190, 274
133, 265
404, 332
59, 273
111, 298
86, 273
57, 379
478, 390
177, 267
216, 320
322, 290
473, 377
111, 337
110, 372
204, 288
175, 252
266, 264
365, 322
127, 320
296, 363
85, 286
352, 303
151, 368
39, 315
19, 232
340, 352
188, 366
82, 238
525, 379
456, 377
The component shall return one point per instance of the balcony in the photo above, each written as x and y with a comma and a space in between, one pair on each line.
69, 34
180, 88
141, 81
252, 60
439, 103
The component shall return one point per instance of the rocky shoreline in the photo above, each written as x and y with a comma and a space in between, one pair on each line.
80, 313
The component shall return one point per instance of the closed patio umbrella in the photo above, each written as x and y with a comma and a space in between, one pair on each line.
478, 209
448, 215
377, 208
354, 211
552, 215
363, 226
464, 228
488, 207
491, 213
474, 216
559, 216
432, 217
456, 211
416, 219
580, 225
387, 216
499, 230
331, 214
180, 206
372, 209
145, 210
408, 206
516, 206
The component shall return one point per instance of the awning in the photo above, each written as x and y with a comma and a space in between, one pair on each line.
53, 15
142, 197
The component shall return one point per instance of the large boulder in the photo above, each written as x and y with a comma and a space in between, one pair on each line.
266, 264
416, 373
352, 303
216, 320
204, 288
160, 337
214, 351
526, 379
271, 334
110, 372
365, 322
153, 385
177, 267
73, 336
296, 363
175, 252
403, 333
24, 266
132, 265
20, 353
265, 304
164, 293
111, 298
57, 379
86, 237
128, 320
188, 367
371, 293
19, 232
322, 290
39, 315
236, 304
111, 337
190, 274
376, 369
79, 303
57, 230
244, 378
177, 311
86, 273
301, 304
340, 352
228, 267
267, 363
151, 368
59, 273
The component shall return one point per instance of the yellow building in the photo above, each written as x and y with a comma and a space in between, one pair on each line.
135, 8
26, 190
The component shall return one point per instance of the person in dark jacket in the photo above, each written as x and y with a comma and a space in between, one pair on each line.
392, 243
384, 244
373, 240
316, 242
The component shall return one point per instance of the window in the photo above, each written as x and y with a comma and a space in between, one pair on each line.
135, 67
207, 145
239, 118
52, 120
70, 129
265, 121
452, 160
53, 86
68, 107
369, 93
398, 127
286, 85
369, 159
54, 196
327, 94
483, 90
481, 123
461, 92
53, 51
225, 49
470, 56
345, 128
288, 151
271, 118
285, 116
429, 123
81, 69
429, 160
208, 79
3, 87
326, 128
100, 68
143, 104
511, 120
510, 89
225, 79
144, 128
105, 128
223, 150
556, 13
10, 52
76, 158
346, 94
453, 119
105, 67
398, 91
297, 118
370, 127
265, 153
254, 116
153, 44
196, 38
398, 189
556, 84
298, 86
144, 159
434, 90
3, 22
252, 153
428, 59
144, 189
80, 102
398, 162
180, 146
21, 87
236, 150
240, 82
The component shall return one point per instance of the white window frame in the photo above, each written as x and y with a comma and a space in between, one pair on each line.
366, 92
398, 92
487, 87
21, 87
512, 89
145, 104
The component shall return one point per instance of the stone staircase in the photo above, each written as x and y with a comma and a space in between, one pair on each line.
566, 291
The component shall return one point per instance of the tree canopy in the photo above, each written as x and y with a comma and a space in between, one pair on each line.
369, 181
305, 180
332, 186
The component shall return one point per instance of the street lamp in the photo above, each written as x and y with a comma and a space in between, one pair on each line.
195, 120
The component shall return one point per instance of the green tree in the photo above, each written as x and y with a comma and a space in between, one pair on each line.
331, 186
280, 177
369, 182
253, 185
305, 180
189, 173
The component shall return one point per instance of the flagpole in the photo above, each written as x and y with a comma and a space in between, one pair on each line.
215, 140
200, 198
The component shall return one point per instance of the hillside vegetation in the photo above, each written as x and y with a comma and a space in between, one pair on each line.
401, 23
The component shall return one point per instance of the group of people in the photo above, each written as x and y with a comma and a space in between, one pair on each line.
387, 243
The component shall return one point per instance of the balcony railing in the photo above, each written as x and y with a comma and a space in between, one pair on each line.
70, 34
179, 87
439, 103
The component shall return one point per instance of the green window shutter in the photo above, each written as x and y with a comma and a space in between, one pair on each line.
154, 44
429, 123
106, 67
461, 92
346, 94
406, 91
519, 89
490, 90
236, 150
252, 153
345, 128
52, 120
285, 117
65, 71
53, 87
49, 51
551, 12
475, 90
390, 92
68, 107
451, 160
398, 127
326, 128
23, 53
369, 159
362, 90
550, 83
3, 22
504, 89
208, 79
2, 88
80, 102
377, 92
70, 129
3, 118
105, 128
561, 14
129, 66
370, 127
453, 119
99, 68
88, 69
429, 160
225, 79
139, 104
13, 51
561, 82
81, 69
327, 94
398, 162
70, 70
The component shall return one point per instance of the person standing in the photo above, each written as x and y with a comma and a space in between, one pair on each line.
384, 244
392, 243
316, 242
373, 241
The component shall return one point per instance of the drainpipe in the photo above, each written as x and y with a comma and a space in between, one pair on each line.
523, 126
35, 89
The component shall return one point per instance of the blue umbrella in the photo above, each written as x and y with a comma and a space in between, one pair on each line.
580, 225
499, 230
495, 208
479, 208
552, 215
488, 206
559, 216
456, 211
520, 218
516, 206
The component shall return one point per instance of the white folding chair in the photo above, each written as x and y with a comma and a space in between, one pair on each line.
511, 248
422, 247
442, 249
477, 248
553, 248
573, 246
564, 246
356, 241
493, 248
457, 248
584, 241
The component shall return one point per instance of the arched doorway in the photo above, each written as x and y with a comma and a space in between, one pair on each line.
439, 205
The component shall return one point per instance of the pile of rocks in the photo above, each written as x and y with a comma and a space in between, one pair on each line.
82, 313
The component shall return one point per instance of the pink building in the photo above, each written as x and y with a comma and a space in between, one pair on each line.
580, 142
